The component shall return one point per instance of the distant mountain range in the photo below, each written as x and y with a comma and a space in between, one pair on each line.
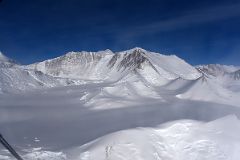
133, 104
134, 65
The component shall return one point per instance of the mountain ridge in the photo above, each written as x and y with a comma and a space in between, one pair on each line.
132, 72
108, 62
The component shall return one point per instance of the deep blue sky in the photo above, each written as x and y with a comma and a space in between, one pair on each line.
199, 31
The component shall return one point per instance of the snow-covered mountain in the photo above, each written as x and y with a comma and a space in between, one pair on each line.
218, 70
226, 77
141, 70
89, 105
15, 78
153, 68
106, 65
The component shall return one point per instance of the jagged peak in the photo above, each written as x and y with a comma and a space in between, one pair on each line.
131, 59
135, 49
219, 70
219, 67
106, 51
138, 49
78, 54
147, 53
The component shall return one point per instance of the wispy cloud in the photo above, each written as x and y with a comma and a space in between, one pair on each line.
191, 18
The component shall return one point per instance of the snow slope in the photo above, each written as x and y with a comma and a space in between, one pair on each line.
177, 140
132, 73
180, 140
217, 69
226, 76
103, 66
205, 89
14, 79
133, 104
108, 65
63, 123
223, 71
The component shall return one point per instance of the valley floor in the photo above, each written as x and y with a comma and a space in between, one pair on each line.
86, 122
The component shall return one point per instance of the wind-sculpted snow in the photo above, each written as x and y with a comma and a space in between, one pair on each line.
180, 140
57, 123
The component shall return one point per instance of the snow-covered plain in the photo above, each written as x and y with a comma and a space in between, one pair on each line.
129, 105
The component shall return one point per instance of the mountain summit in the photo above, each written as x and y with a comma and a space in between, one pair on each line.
106, 65
130, 72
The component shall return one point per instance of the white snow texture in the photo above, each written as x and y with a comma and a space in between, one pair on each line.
129, 105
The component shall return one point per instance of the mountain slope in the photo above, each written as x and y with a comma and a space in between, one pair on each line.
106, 65
205, 89
90, 105
217, 70
227, 77
15, 78
179, 140
133, 73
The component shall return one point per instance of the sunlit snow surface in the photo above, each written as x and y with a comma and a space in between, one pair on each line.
95, 121
178, 140
133, 105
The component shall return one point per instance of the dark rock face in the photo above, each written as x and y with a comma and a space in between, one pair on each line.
113, 60
55, 66
109, 65
6, 65
132, 60
39, 73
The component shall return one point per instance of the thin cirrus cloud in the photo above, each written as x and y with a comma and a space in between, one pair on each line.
190, 19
